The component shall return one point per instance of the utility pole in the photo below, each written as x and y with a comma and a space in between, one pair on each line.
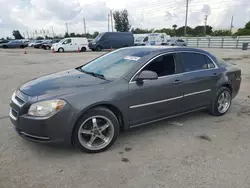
205, 24
185, 29
67, 29
108, 22
52, 29
28, 34
231, 25
111, 18
84, 23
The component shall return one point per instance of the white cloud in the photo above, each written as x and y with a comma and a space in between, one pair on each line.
31, 15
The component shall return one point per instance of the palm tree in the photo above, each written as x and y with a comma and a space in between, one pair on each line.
174, 26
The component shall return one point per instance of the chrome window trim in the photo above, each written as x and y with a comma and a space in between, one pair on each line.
216, 66
170, 99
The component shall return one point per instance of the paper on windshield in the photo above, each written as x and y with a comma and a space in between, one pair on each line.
133, 58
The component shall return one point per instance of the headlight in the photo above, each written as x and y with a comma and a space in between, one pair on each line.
46, 108
93, 43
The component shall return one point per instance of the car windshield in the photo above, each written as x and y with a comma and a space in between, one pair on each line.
116, 64
98, 37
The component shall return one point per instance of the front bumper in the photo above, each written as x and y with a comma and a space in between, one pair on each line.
56, 128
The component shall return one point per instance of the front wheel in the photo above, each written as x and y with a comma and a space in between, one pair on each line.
96, 131
83, 49
60, 50
98, 48
221, 102
47, 47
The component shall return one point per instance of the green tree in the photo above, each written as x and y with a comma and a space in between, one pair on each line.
199, 30
174, 26
39, 38
66, 35
180, 31
247, 26
95, 34
142, 31
243, 31
222, 32
72, 35
17, 34
121, 21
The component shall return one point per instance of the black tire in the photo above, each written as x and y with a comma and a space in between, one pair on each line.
5, 46
47, 47
60, 50
98, 111
93, 50
172, 44
98, 48
21, 46
213, 109
83, 49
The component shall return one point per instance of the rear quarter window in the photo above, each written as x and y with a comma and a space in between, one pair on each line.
193, 61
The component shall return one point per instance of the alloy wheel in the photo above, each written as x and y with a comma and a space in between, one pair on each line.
96, 132
224, 102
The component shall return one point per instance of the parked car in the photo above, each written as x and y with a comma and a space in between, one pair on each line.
176, 42
48, 44
39, 44
32, 43
128, 87
71, 44
4, 41
14, 44
110, 40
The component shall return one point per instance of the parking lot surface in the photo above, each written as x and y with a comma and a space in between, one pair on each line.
195, 150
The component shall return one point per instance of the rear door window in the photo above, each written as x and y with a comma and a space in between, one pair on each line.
193, 61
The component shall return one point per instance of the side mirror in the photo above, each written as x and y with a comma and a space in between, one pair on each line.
147, 75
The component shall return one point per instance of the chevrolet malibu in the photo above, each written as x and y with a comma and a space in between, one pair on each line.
129, 87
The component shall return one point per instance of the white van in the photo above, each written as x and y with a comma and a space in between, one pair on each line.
71, 45
152, 39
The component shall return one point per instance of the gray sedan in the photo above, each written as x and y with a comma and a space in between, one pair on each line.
129, 87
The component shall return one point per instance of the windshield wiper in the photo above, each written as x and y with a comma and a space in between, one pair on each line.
94, 74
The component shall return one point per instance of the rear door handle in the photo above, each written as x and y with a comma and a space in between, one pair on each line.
177, 81
215, 74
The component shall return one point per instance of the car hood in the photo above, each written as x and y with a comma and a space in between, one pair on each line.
60, 83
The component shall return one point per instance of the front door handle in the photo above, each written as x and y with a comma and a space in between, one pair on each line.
177, 81
214, 74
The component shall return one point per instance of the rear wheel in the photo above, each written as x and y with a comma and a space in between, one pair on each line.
21, 46
221, 102
96, 131
60, 50
83, 49
5, 46
47, 47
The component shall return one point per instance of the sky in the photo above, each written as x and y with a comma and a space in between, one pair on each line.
30, 15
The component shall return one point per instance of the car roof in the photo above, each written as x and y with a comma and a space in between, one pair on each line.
164, 49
